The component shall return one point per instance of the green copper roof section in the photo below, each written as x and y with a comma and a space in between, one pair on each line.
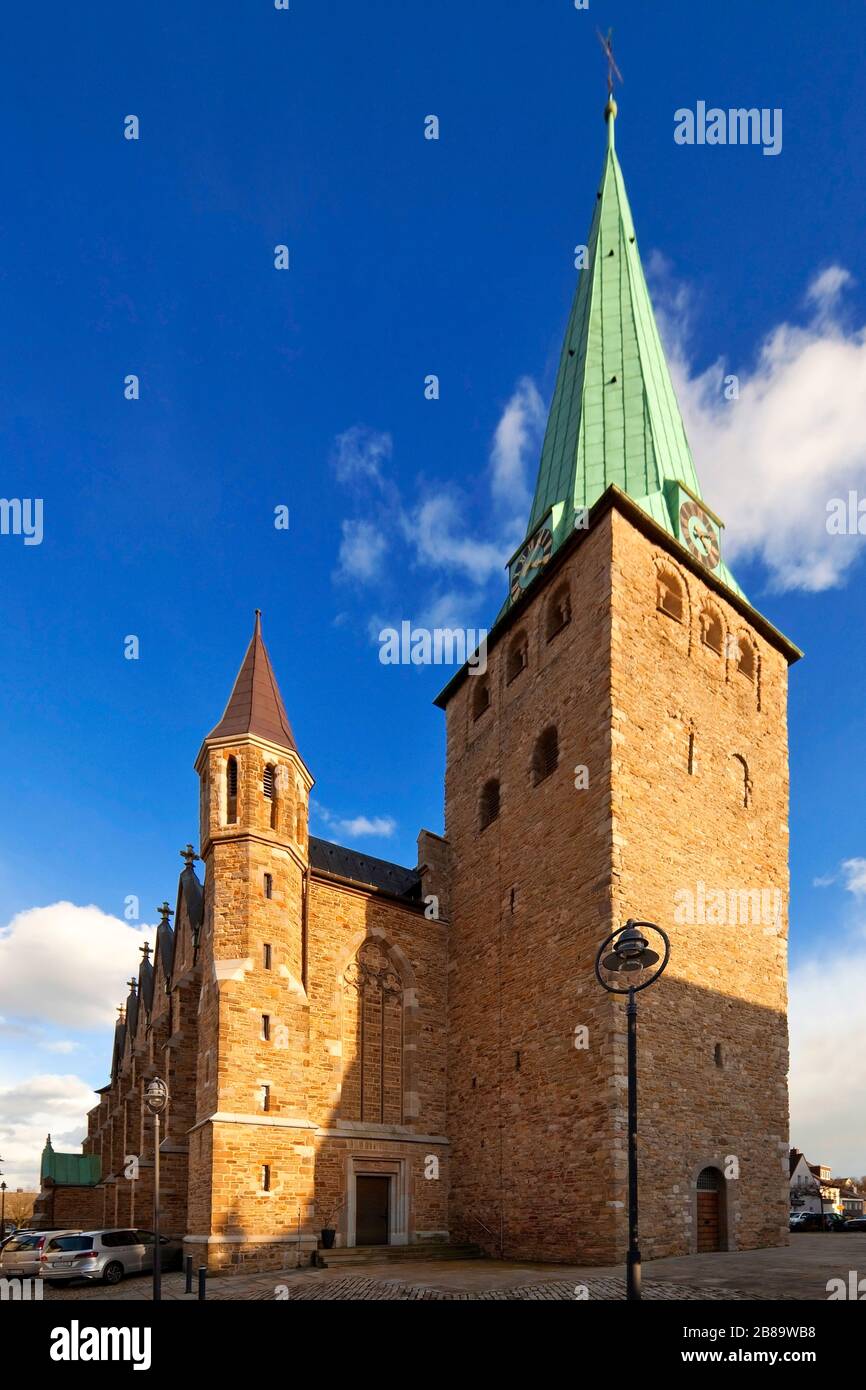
614, 417
70, 1170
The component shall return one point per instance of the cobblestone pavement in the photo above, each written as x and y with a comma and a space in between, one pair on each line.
277, 1287
798, 1271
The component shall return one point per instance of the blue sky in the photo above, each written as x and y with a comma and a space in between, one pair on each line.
305, 388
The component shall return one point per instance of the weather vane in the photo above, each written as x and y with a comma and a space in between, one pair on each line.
612, 69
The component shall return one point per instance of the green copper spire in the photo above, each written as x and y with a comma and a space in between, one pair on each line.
614, 417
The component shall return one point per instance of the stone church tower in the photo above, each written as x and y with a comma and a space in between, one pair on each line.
252, 1121
625, 755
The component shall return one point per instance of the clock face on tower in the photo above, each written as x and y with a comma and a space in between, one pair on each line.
700, 533
530, 561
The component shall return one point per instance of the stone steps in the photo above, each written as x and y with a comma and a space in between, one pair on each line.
371, 1254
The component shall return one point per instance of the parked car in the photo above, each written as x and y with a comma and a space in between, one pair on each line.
815, 1221
21, 1256
856, 1223
106, 1255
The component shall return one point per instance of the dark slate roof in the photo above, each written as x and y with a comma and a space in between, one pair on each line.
119, 1044
165, 945
145, 984
193, 896
132, 1012
255, 705
364, 869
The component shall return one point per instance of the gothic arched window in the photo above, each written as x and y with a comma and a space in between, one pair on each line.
372, 1055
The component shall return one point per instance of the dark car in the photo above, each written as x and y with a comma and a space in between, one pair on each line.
815, 1221
856, 1223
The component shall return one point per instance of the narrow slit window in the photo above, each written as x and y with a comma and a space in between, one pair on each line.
545, 757
488, 809
265, 1098
266, 1027
266, 1177
558, 613
269, 885
232, 791
266, 955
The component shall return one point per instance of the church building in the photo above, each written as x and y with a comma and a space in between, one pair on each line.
424, 1055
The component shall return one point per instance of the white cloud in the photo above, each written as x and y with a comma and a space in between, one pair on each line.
854, 871
64, 1045
359, 454
441, 527
770, 461
362, 551
66, 965
827, 286
355, 827
31, 1109
828, 1061
442, 540
516, 442
365, 825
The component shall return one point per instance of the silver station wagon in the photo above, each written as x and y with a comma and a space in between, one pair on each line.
21, 1256
105, 1255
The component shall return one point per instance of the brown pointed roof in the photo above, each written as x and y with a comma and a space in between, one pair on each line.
255, 705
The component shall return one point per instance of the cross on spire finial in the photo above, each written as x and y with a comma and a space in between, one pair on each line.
132, 982
189, 856
612, 69
121, 1009
145, 951
165, 911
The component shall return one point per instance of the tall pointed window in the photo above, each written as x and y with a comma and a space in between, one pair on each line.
231, 790
372, 1052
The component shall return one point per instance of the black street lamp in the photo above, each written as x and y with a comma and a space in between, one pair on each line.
630, 955
156, 1099
2, 1211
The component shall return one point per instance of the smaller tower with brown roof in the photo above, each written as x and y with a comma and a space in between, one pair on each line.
249, 1169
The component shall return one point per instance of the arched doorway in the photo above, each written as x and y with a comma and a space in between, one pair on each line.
710, 1211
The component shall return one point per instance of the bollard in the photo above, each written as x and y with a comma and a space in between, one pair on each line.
188, 1265
202, 1280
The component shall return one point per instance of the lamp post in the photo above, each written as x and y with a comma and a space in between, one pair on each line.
156, 1099
2, 1210
629, 955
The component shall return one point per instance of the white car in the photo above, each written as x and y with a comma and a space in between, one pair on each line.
105, 1255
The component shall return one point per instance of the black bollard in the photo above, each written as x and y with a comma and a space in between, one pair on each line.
202, 1282
188, 1265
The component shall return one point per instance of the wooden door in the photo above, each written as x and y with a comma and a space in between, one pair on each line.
709, 1222
372, 1199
